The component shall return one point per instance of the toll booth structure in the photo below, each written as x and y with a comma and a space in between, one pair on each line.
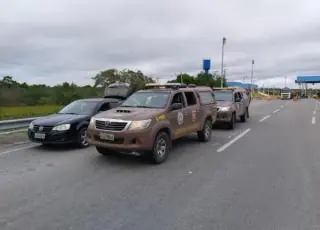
303, 82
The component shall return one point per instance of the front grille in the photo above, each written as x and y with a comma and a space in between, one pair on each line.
45, 129
112, 125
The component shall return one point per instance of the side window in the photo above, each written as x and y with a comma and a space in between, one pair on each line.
191, 98
104, 107
206, 97
237, 96
178, 98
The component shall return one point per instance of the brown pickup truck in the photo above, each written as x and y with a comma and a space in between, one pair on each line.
233, 104
150, 119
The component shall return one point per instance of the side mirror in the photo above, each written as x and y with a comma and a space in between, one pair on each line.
176, 106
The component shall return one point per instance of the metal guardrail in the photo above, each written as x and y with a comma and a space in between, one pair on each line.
16, 124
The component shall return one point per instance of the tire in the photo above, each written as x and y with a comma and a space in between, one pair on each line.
205, 134
82, 138
247, 112
243, 118
231, 123
105, 151
161, 147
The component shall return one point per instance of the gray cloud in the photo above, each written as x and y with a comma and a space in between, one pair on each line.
55, 40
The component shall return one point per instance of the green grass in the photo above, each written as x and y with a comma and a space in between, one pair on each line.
16, 112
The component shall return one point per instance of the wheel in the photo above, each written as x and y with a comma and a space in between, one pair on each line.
82, 138
243, 117
105, 151
161, 148
247, 112
205, 134
232, 122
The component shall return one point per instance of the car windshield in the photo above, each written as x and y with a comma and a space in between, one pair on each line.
223, 96
79, 107
147, 100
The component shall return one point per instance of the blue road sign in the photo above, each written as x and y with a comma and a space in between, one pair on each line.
206, 64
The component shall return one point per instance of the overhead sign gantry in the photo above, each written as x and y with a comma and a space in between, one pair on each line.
303, 82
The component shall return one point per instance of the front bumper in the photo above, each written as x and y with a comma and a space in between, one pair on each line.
54, 137
223, 117
123, 141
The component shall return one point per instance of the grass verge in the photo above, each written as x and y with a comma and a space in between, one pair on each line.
16, 112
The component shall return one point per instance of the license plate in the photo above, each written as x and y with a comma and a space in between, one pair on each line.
106, 136
40, 136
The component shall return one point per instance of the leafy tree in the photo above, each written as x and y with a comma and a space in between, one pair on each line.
201, 78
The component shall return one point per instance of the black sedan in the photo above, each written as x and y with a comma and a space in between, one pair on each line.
70, 124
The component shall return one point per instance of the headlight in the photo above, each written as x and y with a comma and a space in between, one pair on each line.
224, 109
137, 125
31, 126
92, 121
63, 127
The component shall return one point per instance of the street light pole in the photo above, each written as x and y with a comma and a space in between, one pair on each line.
252, 65
222, 59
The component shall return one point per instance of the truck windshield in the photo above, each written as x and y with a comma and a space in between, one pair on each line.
157, 100
223, 95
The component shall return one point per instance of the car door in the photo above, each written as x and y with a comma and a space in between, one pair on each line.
192, 112
177, 117
239, 104
207, 99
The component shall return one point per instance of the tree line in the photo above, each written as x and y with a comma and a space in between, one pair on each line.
14, 93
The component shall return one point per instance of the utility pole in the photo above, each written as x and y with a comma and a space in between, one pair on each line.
285, 83
181, 78
224, 40
252, 65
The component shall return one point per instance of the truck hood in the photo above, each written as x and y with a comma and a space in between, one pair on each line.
125, 113
224, 103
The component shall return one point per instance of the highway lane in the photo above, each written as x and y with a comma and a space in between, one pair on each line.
197, 188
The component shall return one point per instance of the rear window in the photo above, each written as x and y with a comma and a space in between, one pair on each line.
206, 97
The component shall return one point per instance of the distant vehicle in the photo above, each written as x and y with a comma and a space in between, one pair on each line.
70, 124
150, 119
232, 104
285, 94
118, 90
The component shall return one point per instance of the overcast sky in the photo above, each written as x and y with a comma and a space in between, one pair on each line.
51, 41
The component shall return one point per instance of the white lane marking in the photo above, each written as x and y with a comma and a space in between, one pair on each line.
277, 110
228, 144
17, 149
314, 112
264, 118
13, 131
282, 106
313, 121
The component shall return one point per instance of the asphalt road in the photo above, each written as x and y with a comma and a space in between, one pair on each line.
265, 174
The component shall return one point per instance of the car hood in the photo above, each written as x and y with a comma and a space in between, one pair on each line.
224, 103
125, 113
57, 119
